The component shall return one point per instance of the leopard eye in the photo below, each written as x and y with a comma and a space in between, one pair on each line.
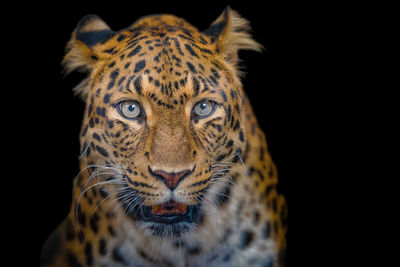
129, 109
203, 108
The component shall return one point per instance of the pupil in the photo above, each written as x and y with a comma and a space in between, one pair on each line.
131, 107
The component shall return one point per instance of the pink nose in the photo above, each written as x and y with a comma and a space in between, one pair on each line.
171, 179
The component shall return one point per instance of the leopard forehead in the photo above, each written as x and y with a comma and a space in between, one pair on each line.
166, 62
166, 50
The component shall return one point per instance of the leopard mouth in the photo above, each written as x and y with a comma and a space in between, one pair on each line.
170, 212
170, 218
167, 219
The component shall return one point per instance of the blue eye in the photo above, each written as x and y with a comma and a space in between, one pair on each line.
204, 108
129, 109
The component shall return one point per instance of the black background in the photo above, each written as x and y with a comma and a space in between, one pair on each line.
287, 85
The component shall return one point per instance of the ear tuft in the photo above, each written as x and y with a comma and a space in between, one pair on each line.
83, 49
231, 32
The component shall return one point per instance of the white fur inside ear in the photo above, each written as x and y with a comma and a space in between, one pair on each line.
82, 51
82, 89
236, 36
77, 59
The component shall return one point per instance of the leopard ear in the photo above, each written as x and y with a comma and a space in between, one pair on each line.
85, 48
230, 33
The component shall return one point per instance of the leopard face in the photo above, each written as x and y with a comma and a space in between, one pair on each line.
175, 170
163, 114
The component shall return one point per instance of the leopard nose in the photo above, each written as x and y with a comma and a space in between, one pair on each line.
171, 180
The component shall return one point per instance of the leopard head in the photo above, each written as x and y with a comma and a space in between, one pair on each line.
163, 117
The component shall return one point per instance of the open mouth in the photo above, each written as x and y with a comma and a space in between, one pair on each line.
167, 219
170, 212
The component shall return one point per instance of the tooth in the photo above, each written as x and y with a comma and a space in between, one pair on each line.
182, 207
156, 209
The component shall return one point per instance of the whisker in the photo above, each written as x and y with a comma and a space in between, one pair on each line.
91, 178
112, 194
83, 192
131, 206
122, 199
84, 152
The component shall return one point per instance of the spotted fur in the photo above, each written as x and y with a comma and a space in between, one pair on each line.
167, 65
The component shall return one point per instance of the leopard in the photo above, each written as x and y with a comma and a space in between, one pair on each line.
174, 167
